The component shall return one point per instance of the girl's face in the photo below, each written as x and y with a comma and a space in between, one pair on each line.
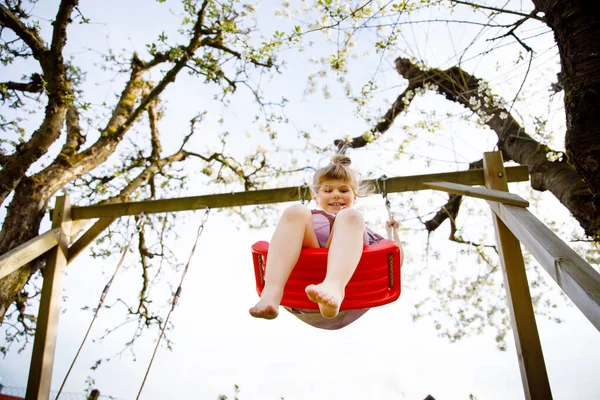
334, 195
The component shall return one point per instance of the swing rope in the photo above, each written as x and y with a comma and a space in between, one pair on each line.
101, 300
175, 298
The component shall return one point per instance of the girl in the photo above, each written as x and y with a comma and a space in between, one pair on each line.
335, 189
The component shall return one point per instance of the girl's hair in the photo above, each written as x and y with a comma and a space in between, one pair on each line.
339, 169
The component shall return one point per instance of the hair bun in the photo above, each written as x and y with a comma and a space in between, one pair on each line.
341, 160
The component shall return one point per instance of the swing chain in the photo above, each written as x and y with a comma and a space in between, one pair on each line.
302, 193
383, 191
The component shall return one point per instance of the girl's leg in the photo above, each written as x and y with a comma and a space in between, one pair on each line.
345, 250
293, 232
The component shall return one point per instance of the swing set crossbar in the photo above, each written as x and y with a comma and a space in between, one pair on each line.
281, 195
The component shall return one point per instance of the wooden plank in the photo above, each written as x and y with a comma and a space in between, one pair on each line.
28, 251
88, 237
529, 350
281, 195
478, 192
44, 344
578, 279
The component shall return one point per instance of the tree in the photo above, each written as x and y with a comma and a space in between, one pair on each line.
215, 44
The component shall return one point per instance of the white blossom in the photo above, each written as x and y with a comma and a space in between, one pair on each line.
474, 103
368, 136
553, 156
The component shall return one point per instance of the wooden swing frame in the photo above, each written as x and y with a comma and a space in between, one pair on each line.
513, 223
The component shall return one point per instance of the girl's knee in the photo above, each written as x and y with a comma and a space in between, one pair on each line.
351, 215
296, 211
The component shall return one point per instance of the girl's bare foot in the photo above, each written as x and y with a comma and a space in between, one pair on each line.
329, 299
268, 305
266, 311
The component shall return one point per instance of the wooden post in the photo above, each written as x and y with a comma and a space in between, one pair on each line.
42, 359
529, 350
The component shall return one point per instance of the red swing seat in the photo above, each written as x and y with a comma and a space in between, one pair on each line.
375, 282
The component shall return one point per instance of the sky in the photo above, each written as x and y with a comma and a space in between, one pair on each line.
385, 354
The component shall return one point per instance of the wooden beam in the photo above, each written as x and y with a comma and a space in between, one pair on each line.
478, 192
88, 237
529, 350
77, 227
469, 177
44, 344
578, 279
28, 251
270, 196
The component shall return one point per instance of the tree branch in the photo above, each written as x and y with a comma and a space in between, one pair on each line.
16, 165
143, 300
217, 43
63, 18
34, 86
154, 141
151, 170
547, 173
154, 132
75, 138
401, 103
158, 58
532, 15
555, 175
169, 77
28, 35
511, 32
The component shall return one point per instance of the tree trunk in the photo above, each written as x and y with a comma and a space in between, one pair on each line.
576, 26
31, 151
22, 222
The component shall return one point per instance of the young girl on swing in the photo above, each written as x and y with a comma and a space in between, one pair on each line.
336, 225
